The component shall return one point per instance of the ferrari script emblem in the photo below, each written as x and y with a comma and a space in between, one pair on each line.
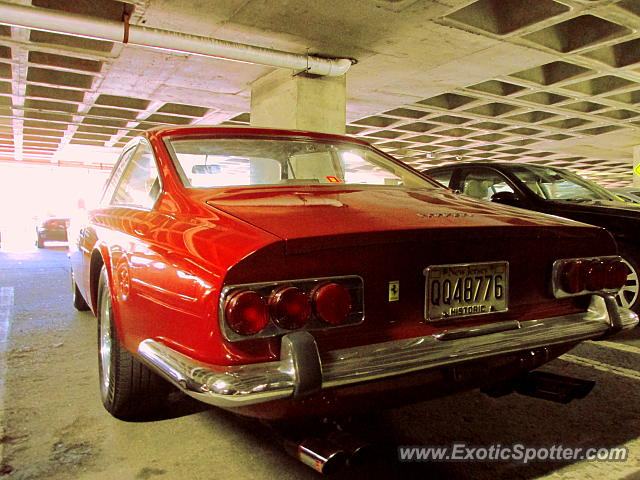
447, 215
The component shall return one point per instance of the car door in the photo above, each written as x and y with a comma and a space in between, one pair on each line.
128, 214
82, 236
129, 196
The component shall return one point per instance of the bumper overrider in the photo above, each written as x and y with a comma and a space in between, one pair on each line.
302, 370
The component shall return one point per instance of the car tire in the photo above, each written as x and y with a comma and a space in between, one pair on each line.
629, 295
79, 303
40, 242
129, 390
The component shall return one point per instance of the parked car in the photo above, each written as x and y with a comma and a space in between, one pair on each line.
558, 192
287, 275
629, 194
52, 229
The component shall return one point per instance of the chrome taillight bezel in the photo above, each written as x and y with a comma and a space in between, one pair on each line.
556, 280
353, 283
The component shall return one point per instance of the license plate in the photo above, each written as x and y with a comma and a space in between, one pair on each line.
465, 290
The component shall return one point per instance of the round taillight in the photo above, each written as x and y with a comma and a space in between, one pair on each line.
616, 274
595, 275
290, 307
332, 303
572, 276
246, 312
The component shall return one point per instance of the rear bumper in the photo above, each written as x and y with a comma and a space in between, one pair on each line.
302, 370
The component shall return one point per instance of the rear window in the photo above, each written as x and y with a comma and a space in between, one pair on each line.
221, 162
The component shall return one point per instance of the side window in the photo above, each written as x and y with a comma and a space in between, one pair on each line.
444, 177
482, 183
112, 183
139, 183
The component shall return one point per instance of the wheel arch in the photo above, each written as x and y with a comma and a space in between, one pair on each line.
97, 262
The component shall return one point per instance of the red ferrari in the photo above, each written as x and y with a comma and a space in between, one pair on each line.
285, 274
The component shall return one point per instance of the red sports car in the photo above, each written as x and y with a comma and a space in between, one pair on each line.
285, 274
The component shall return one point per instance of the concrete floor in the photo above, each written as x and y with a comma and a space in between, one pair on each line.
54, 426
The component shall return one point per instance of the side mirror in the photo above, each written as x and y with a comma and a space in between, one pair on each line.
507, 198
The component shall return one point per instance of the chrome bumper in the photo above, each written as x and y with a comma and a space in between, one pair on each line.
301, 370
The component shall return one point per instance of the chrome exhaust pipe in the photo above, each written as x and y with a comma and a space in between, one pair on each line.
319, 454
358, 451
325, 446
544, 385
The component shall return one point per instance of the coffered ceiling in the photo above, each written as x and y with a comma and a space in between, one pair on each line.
552, 82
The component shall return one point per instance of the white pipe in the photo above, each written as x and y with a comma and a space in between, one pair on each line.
80, 25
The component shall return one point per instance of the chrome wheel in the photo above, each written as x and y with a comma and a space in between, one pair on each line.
628, 294
128, 389
105, 343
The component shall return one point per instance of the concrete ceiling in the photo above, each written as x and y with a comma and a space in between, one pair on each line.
554, 82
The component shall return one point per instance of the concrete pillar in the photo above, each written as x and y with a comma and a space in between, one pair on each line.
636, 166
299, 102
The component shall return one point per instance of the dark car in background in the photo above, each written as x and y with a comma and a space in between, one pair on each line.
557, 192
52, 229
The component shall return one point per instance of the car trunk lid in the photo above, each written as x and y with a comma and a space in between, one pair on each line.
338, 216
